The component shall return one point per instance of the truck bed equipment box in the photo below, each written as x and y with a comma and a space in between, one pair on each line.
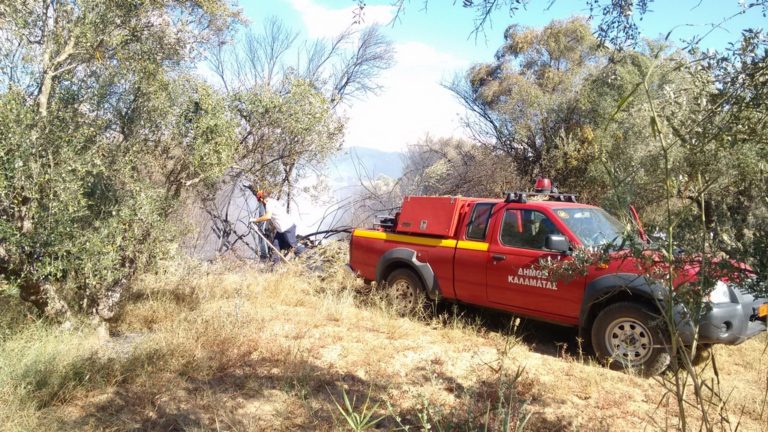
435, 216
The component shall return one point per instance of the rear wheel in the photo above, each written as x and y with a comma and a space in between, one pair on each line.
628, 336
406, 292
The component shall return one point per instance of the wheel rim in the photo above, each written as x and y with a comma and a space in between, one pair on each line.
629, 341
403, 294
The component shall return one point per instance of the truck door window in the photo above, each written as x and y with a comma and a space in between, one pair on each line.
478, 221
526, 229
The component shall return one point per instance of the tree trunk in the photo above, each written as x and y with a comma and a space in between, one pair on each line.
46, 299
44, 93
288, 185
50, 71
109, 300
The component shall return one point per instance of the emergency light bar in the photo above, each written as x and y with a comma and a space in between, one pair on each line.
542, 190
522, 197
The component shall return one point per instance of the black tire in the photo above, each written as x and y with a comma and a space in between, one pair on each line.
406, 292
629, 336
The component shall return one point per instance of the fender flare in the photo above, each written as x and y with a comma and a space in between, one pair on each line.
604, 287
404, 257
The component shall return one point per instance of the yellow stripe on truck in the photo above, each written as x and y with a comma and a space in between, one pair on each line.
472, 245
424, 241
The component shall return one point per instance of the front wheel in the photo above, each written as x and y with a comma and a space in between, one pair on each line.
629, 336
406, 292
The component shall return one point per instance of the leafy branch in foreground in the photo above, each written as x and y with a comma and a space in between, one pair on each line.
692, 271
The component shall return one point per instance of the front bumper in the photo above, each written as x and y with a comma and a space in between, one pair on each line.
730, 323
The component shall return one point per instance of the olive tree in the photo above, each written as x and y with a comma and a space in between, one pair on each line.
289, 108
102, 129
288, 95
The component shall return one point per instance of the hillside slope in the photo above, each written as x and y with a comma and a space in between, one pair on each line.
231, 347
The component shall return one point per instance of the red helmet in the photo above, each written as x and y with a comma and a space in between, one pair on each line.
543, 185
260, 194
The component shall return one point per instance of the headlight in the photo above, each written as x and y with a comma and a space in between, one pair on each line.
720, 293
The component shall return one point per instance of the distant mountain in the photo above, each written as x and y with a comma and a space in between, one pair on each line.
362, 162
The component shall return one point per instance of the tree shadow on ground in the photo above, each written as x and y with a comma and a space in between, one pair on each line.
257, 395
541, 337
279, 394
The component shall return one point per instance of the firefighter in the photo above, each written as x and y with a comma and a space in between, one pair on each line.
261, 240
285, 226
261, 210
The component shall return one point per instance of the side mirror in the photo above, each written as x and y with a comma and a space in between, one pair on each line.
558, 243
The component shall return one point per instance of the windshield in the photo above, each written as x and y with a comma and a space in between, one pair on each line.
593, 226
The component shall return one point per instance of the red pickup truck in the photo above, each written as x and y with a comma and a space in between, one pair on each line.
486, 252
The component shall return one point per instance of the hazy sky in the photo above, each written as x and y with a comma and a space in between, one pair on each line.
434, 45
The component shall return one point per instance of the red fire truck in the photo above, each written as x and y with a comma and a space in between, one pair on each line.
487, 252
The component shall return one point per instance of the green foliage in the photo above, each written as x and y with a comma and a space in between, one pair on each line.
531, 102
87, 209
212, 133
101, 130
557, 104
286, 97
549, 103
444, 166
105, 131
286, 131
358, 418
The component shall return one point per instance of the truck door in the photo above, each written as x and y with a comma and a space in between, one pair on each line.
514, 279
472, 254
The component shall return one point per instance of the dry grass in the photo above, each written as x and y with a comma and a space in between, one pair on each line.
232, 347
14, 314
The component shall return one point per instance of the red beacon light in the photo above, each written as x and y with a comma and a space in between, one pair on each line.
543, 185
